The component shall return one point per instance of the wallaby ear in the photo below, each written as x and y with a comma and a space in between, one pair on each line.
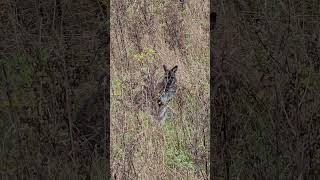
165, 68
174, 69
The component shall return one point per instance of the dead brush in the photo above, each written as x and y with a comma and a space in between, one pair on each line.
162, 151
173, 28
135, 32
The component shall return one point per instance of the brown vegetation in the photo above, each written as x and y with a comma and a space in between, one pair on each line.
144, 36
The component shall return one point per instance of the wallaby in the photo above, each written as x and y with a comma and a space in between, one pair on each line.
166, 90
157, 95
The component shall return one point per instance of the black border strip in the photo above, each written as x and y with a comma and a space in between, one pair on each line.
213, 19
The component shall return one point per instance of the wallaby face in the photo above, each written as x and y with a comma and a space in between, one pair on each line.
170, 75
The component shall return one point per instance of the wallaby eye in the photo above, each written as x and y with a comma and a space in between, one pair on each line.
172, 74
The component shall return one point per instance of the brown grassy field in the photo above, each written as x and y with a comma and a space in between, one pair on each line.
144, 36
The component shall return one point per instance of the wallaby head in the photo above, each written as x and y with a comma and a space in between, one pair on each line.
169, 75
168, 85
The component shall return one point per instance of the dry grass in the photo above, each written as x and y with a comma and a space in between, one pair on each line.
145, 35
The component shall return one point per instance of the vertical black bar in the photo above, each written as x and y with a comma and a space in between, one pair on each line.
47, 49
105, 36
107, 96
213, 17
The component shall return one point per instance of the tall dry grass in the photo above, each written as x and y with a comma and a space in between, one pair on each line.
144, 36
